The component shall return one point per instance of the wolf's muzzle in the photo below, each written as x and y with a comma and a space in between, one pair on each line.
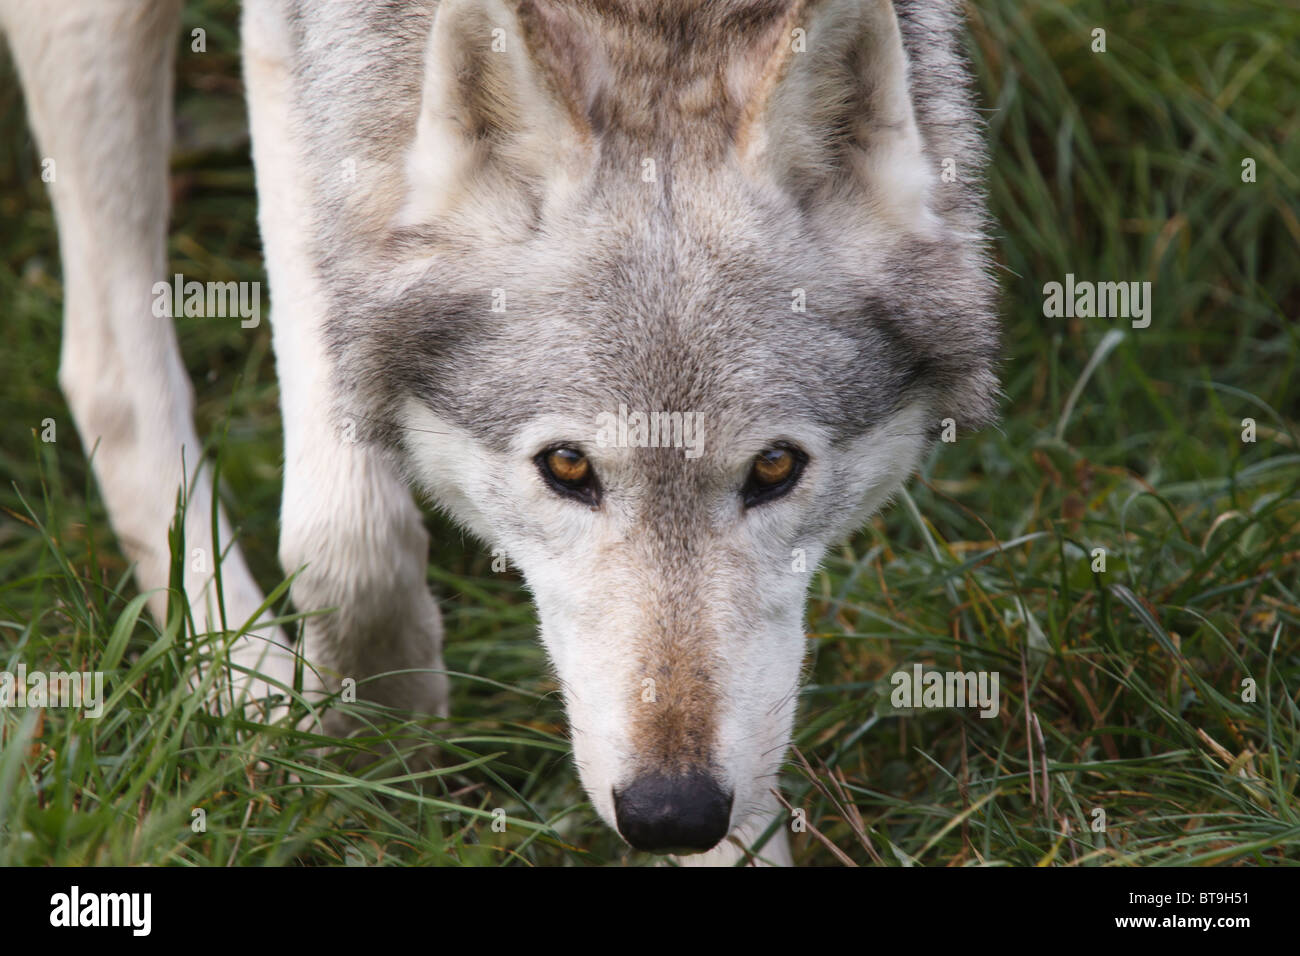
687, 813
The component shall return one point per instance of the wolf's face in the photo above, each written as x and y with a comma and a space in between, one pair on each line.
665, 448
665, 350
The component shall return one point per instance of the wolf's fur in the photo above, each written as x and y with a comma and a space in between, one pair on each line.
645, 184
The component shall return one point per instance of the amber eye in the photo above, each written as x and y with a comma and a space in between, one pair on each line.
567, 465
569, 472
775, 471
773, 466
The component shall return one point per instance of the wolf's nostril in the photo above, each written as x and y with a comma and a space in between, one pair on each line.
673, 814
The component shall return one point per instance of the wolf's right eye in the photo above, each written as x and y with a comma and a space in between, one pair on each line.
569, 473
774, 472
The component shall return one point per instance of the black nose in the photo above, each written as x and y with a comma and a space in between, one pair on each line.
687, 813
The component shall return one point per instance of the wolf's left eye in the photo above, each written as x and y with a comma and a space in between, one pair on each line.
774, 472
568, 472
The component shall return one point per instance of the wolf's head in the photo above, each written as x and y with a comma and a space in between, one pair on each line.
679, 294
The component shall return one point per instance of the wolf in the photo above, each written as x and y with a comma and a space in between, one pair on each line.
488, 226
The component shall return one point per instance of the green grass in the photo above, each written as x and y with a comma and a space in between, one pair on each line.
1122, 690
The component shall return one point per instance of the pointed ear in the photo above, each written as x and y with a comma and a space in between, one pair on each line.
504, 125
831, 112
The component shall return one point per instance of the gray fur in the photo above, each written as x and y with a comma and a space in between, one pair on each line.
667, 292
